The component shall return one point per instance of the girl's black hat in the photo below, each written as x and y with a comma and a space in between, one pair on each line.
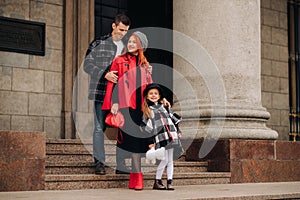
153, 86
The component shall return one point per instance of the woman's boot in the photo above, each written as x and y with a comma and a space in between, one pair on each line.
132, 180
158, 185
139, 184
169, 184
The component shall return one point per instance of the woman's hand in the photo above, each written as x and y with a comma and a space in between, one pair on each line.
114, 109
179, 135
149, 69
151, 146
112, 76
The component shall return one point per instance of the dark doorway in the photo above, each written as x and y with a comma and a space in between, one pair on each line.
145, 13
156, 13
105, 11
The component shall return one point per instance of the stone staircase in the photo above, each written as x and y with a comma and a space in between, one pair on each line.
69, 166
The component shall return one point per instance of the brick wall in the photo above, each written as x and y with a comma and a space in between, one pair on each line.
274, 64
31, 86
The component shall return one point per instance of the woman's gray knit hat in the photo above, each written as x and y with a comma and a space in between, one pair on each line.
143, 39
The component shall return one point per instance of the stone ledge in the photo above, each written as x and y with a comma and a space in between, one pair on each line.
251, 160
22, 160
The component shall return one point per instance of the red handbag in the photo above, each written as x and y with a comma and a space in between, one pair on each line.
116, 120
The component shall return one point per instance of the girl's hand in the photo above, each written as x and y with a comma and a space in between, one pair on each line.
179, 135
114, 109
166, 103
151, 146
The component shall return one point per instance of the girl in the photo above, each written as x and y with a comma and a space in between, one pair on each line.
163, 126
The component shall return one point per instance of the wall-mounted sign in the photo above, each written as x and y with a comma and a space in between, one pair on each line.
22, 36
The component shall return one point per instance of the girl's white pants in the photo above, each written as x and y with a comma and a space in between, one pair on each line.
167, 162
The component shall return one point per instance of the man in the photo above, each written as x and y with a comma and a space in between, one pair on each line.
97, 63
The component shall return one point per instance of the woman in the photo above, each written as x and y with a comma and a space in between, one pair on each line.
126, 96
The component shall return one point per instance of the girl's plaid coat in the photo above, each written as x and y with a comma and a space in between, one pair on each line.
162, 127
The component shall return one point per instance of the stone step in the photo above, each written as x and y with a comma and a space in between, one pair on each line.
77, 151
76, 145
74, 150
91, 181
88, 167
53, 141
57, 158
110, 158
69, 165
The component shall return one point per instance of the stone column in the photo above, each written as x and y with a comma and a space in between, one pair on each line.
79, 32
217, 80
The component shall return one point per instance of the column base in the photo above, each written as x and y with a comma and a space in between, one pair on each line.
229, 123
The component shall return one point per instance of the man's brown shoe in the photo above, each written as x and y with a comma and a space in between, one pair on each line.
100, 169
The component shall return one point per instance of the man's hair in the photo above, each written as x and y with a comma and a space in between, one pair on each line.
122, 18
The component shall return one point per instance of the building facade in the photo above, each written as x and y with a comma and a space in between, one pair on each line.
246, 40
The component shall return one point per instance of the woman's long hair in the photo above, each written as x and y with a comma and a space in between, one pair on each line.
142, 60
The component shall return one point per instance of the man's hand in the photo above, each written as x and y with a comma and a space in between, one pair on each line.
112, 76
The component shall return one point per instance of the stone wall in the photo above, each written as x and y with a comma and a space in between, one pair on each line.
274, 64
31, 86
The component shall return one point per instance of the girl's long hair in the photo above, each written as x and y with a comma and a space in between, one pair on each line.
143, 62
146, 110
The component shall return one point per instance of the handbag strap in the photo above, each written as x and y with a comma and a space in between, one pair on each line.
168, 130
121, 135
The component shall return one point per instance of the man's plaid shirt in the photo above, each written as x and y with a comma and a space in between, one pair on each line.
98, 59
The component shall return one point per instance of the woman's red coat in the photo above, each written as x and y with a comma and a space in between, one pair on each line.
126, 67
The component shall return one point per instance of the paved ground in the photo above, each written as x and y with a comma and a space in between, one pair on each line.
279, 190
